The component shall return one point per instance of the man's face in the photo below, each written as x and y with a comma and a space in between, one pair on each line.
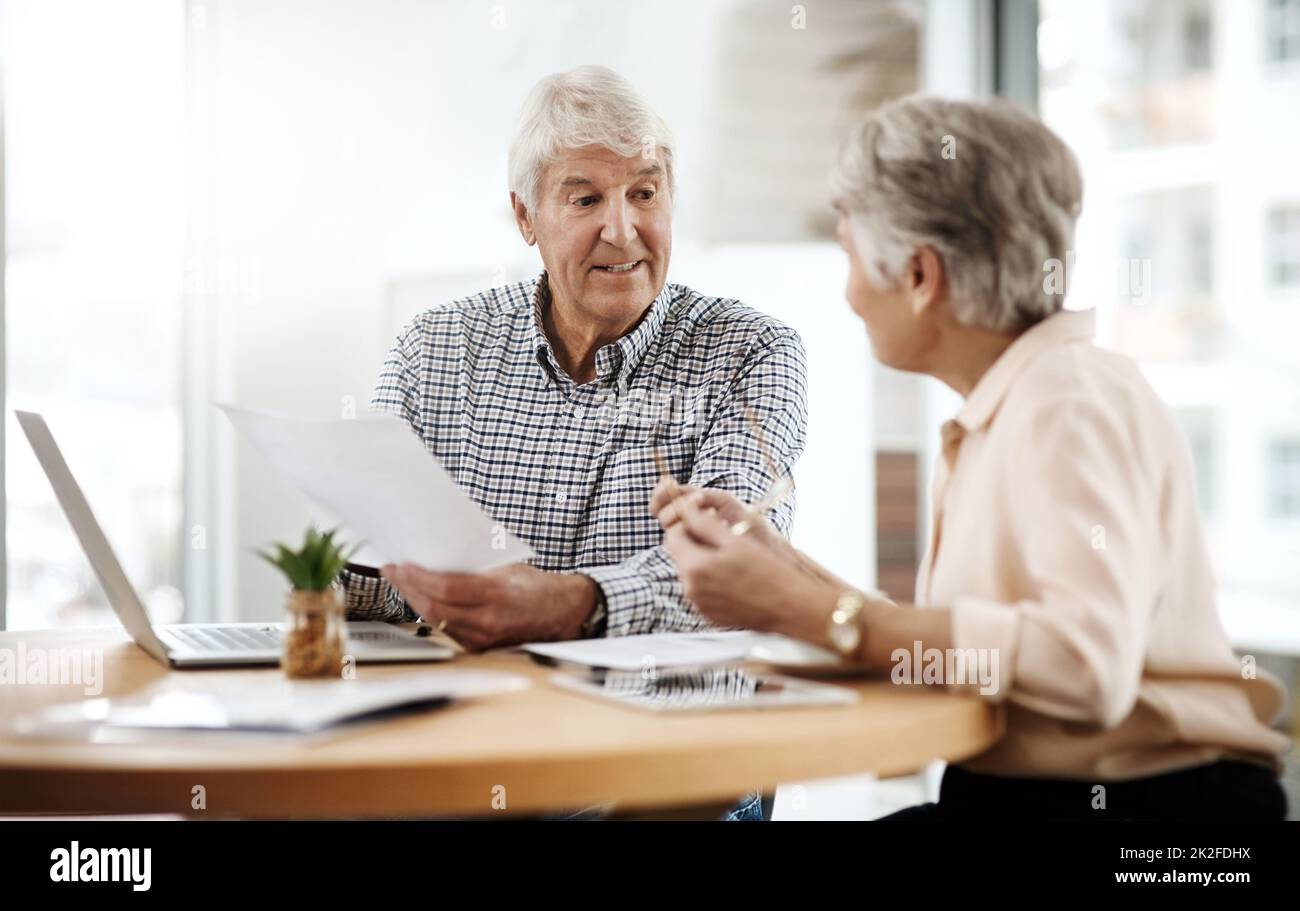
596, 210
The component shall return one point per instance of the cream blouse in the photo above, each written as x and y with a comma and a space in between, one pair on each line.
1065, 537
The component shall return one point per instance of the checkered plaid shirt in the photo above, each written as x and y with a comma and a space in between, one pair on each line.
569, 468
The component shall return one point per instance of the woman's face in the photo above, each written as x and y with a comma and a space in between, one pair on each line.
897, 333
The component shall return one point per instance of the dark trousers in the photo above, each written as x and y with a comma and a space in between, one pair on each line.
1220, 790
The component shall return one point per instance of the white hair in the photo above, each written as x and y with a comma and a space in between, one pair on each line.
586, 106
985, 184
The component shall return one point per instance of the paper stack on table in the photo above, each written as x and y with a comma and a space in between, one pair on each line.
269, 704
657, 650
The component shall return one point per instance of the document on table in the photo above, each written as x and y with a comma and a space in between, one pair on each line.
268, 703
376, 476
651, 650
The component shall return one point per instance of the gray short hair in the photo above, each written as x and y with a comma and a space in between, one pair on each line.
985, 184
585, 106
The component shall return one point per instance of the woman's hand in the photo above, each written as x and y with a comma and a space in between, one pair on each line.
732, 511
728, 508
755, 580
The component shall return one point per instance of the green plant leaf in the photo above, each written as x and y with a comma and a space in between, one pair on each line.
315, 565
294, 567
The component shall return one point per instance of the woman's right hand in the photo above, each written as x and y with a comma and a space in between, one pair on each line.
732, 511
728, 508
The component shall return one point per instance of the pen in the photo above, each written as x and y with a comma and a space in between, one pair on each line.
782, 484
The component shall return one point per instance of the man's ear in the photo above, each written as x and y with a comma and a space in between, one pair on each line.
925, 280
523, 219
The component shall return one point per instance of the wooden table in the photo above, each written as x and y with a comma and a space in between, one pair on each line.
542, 749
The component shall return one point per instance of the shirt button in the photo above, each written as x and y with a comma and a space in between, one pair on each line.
561, 497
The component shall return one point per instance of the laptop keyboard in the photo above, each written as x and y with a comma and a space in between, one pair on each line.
226, 638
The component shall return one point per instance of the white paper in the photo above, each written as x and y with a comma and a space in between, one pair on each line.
376, 476
652, 650
272, 703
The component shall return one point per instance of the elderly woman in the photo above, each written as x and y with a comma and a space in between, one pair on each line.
1066, 552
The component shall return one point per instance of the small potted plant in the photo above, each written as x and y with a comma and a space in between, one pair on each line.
315, 635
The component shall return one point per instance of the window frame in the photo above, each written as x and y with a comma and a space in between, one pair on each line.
1277, 444
1282, 23
1280, 255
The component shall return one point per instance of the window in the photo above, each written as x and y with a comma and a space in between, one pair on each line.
1197, 34
1198, 426
1164, 182
1283, 245
1163, 253
94, 177
1284, 479
1152, 77
1200, 255
1282, 30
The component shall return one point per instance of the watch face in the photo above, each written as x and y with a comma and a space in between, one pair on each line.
845, 636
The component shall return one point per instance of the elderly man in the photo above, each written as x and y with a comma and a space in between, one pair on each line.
548, 400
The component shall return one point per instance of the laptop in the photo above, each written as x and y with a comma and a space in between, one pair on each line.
191, 645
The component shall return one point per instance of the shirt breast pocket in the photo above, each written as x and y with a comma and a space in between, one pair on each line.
623, 522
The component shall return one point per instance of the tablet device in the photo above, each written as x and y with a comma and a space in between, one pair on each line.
702, 689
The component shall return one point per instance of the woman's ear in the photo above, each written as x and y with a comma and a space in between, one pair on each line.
926, 280
523, 219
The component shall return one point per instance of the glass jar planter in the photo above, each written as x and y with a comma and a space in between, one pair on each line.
315, 634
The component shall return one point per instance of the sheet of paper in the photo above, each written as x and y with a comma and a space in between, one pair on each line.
375, 475
269, 703
653, 650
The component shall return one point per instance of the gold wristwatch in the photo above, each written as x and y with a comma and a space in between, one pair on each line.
843, 629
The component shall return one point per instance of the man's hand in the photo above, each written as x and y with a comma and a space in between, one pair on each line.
506, 606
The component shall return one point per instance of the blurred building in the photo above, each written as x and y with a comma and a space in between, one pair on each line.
1183, 115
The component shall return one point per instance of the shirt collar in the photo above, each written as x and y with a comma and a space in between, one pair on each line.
1060, 328
538, 343
615, 361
